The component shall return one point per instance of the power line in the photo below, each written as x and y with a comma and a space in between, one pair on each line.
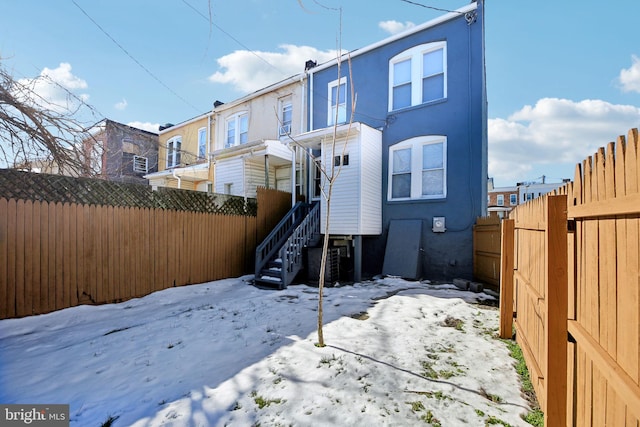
431, 7
254, 53
156, 78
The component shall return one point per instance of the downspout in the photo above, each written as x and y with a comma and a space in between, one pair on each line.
178, 178
294, 162
210, 173
294, 156
266, 171
244, 177
310, 101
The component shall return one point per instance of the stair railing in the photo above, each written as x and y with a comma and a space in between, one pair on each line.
278, 236
291, 251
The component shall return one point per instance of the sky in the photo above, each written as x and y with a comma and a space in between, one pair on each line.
563, 78
226, 353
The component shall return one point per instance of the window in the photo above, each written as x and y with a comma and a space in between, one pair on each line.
173, 151
337, 102
418, 75
513, 199
202, 143
317, 175
417, 168
286, 117
140, 164
342, 160
500, 199
237, 130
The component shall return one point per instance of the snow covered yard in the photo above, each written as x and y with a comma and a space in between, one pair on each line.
226, 353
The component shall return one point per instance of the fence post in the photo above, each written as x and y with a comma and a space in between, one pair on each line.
506, 279
556, 312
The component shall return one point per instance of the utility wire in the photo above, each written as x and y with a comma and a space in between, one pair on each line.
431, 7
156, 78
254, 53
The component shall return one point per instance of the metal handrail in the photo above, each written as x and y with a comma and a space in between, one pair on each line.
278, 236
291, 251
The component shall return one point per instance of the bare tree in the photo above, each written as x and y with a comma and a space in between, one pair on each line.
36, 130
330, 172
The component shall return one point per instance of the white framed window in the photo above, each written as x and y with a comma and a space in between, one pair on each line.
337, 104
418, 168
174, 145
286, 117
140, 164
500, 199
202, 143
513, 199
316, 177
237, 130
418, 75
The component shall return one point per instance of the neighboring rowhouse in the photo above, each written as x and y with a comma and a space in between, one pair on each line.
115, 152
123, 153
414, 170
501, 200
183, 155
251, 139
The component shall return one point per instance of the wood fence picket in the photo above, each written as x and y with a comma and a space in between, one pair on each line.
592, 351
57, 255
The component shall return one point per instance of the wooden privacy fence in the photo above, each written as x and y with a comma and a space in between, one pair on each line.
571, 284
55, 255
486, 251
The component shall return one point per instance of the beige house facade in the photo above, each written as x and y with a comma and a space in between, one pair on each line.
253, 139
238, 146
183, 155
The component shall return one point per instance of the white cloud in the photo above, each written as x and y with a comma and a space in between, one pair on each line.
247, 72
122, 105
57, 88
394, 27
554, 131
630, 77
150, 127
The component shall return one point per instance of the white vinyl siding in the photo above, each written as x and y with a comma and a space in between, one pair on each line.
244, 175
229, 171
356, 208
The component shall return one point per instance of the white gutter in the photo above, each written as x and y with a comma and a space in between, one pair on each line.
178, 178
310, 101
268, 89
186, 122
208, 154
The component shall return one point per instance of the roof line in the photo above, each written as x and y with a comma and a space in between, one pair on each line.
432, 23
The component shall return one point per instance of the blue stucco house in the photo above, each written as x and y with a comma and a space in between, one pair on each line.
412, 151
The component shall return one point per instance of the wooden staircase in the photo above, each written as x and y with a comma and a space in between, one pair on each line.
279, 256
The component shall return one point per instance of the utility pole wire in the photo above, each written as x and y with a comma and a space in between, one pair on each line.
430, 7
210, 20
156, 78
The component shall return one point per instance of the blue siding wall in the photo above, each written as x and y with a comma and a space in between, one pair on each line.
461, 117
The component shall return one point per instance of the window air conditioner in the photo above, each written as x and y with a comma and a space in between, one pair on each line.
284, 130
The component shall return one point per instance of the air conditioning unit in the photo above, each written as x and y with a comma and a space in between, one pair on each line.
140, 164
284, 130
